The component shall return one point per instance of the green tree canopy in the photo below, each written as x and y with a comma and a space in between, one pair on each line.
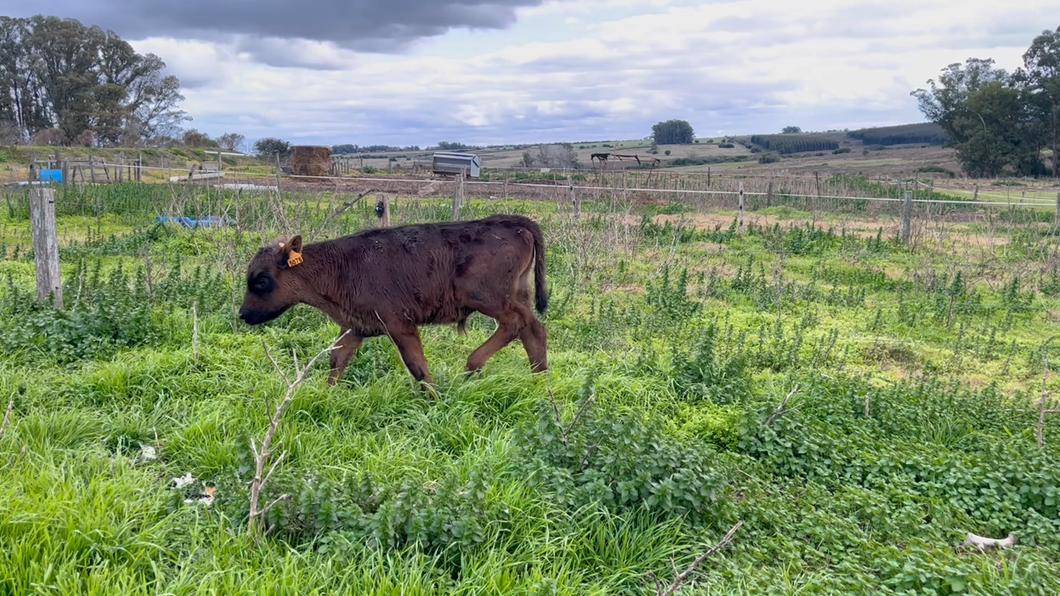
673, 132
999, 123
269, 147
83, 81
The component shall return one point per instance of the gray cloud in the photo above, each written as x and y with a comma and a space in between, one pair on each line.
362, 25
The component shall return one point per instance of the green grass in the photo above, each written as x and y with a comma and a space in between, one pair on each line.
686, 339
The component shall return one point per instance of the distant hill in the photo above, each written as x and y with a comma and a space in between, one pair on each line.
926, 133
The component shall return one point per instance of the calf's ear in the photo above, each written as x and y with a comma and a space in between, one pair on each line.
290, 253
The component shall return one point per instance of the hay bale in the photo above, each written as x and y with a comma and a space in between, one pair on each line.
310, 161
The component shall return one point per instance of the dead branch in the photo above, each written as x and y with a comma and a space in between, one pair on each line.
195, 332
1041, 408
7, 417
565, 432
581, 410
262, 454
681, 577
342, 209
780, 410
983, 543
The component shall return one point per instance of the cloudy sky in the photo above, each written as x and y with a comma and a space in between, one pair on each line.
492, 71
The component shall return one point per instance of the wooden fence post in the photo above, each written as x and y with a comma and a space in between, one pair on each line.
975, 196
506, 185
45, 244
278, 173
907, 216
140, 167
1056, 221
92, 168
769, 193
66, 172
741, 209
573, 198
458, 195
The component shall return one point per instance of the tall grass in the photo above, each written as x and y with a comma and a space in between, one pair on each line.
675, 337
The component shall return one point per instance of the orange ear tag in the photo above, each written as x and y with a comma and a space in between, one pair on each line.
295, 258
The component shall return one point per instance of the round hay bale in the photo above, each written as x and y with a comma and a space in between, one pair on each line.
307, 160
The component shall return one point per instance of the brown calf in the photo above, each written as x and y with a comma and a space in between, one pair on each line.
389, 281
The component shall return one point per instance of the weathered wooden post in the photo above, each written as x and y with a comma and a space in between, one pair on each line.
32, 167
219, 163
573, 198
769, 193
1056, 220
458, 195
92, 168
975, 195
278, 173
505, 185
45, 244
907, 216
740, 227
66, 172
140, 167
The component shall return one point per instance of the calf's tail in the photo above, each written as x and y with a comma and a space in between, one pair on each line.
540, 285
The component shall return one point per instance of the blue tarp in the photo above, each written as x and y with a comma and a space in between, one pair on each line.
188, 222
51, 175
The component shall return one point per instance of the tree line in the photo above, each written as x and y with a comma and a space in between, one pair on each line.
927, 133
1001, 123
792, 143
64, 83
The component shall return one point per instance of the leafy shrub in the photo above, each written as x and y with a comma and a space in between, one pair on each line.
704, 374
622, 461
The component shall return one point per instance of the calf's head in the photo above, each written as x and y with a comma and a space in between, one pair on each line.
272, 287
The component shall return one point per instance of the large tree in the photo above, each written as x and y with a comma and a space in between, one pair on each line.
231, 141
673, 132
992, 117
269, 147
59, 74
1041, 73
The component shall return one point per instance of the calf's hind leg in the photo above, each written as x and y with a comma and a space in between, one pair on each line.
535, 343
509, 325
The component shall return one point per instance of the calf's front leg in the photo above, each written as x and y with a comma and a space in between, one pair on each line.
411, 349
342, 354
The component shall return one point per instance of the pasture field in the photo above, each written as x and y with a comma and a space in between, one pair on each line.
911, 378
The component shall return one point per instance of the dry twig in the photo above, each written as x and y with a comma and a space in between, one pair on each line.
350, 203
7, 417
263, 452
780, 410
1041, 408
565, 432
681, 577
